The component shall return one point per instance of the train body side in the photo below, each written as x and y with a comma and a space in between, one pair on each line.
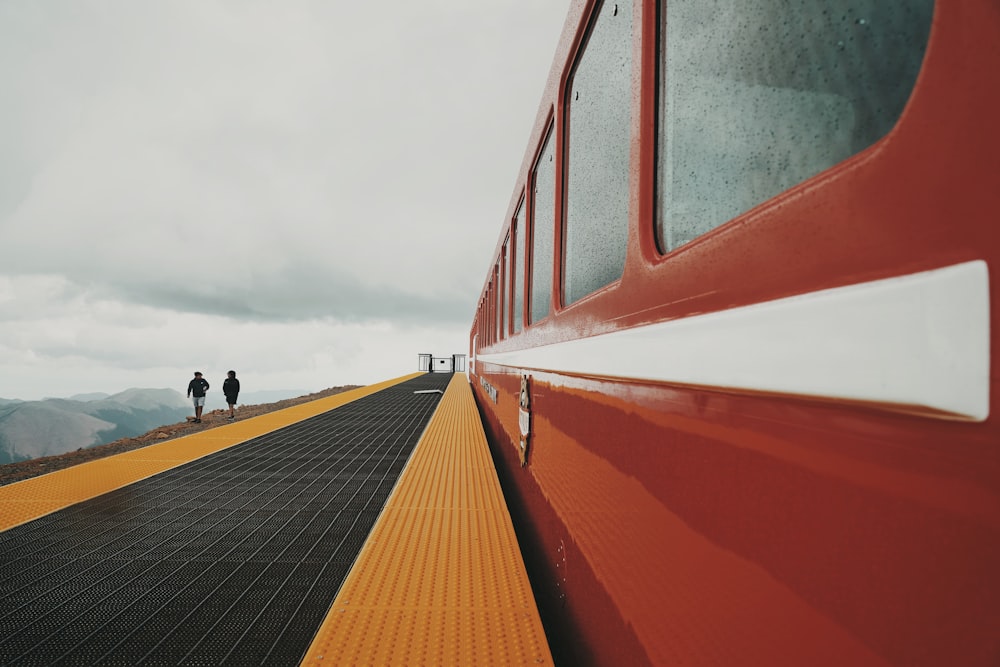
778, 441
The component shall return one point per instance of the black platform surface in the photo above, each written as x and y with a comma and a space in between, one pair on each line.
231, 559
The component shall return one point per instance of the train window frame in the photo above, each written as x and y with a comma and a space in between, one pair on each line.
504, 291
536, 300
663, 181
518, 234
584, 234
489, 311
493, 308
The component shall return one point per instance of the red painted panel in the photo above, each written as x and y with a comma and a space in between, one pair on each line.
754, 531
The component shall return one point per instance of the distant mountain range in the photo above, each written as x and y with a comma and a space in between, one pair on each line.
52, 426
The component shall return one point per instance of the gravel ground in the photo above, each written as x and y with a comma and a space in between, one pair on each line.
15, 472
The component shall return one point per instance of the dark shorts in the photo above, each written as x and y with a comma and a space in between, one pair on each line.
231, 399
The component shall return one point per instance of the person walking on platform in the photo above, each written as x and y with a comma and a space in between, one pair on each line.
231, 388
196, 390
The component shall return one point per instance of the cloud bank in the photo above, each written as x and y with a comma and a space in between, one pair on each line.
307, 190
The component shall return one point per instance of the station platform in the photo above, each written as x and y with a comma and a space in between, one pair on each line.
364, 528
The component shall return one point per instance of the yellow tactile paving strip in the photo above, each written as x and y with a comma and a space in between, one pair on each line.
440, 580
33, 498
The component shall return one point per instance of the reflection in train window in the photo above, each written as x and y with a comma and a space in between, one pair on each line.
517, 266
542, 231
598, 122
763, 94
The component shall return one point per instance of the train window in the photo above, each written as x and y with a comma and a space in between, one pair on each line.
759, 95
492, 324
543, 230
504, 291
598, 123
484, 339
501, 298
489, 313
516, 265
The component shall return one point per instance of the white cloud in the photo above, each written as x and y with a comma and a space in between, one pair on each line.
301, 189
87, 344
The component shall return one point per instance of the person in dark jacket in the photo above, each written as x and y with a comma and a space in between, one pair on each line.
196, 390
231, 388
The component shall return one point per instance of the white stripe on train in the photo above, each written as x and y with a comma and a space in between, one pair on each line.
920, 339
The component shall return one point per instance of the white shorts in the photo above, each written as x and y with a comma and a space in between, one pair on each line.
199, 401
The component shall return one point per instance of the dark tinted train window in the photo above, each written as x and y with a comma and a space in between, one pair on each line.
517, 266
759, 95
543, 231
598, 122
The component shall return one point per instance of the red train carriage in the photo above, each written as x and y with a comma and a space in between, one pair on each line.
733, 353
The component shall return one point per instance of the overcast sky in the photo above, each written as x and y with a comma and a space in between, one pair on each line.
305, 191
